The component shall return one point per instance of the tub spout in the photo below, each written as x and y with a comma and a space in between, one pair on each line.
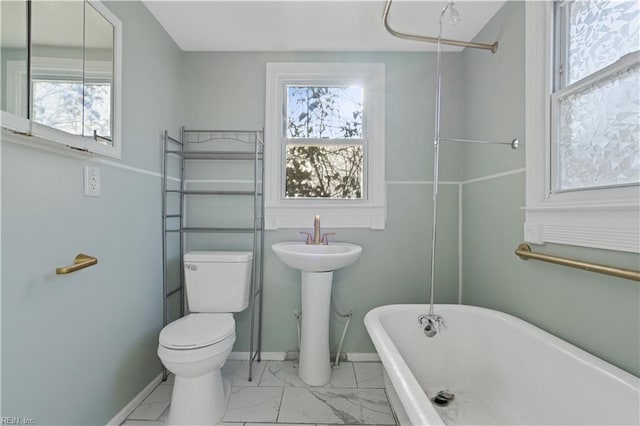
431, 324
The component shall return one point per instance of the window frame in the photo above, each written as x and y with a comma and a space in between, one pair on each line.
367, 212
605, 218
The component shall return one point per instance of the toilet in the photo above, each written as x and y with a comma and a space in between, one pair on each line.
196, 346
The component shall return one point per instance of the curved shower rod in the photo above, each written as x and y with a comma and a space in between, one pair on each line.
385, 16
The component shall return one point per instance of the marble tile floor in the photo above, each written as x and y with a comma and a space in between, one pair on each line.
354, 396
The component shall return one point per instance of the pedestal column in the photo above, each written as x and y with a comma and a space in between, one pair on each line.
315, 365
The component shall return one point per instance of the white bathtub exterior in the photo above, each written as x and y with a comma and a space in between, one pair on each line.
501, 369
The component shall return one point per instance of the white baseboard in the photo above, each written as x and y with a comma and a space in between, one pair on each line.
264, 356
281, 356
363, 357
128, 409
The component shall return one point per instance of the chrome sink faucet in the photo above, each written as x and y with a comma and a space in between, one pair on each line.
317, 239
316, 230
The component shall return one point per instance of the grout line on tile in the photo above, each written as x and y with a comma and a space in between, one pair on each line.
355, 375
280, 405
355, 378
393, 413
262, 374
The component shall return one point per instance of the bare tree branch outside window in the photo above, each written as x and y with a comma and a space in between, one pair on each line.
324, 170
59, 104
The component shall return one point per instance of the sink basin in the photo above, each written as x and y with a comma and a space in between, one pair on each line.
316, 258
316, 263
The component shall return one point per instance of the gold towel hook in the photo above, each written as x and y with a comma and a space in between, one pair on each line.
81, 261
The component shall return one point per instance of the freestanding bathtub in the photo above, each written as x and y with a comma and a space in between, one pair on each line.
502, 371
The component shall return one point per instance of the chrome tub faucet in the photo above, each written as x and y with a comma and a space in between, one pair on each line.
431, 324
317, 239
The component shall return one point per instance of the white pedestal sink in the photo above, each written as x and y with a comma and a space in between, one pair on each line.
317, 263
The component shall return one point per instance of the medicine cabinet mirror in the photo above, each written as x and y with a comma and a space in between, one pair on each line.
65, 84
14, 53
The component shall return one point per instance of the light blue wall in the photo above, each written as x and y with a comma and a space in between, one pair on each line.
226, 90
597, 313
77, 348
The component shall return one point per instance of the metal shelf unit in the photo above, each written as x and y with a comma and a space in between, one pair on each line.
179, 148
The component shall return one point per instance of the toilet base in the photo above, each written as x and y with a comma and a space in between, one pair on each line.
199, 400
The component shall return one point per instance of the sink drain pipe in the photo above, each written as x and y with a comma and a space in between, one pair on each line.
348, 316
298, 315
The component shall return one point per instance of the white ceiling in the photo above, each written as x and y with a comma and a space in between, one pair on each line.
306, 25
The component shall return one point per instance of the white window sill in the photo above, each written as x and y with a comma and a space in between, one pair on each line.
612, 226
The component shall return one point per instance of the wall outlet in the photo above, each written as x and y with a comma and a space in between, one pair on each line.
92, 182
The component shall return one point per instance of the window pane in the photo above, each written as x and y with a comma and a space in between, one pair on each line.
58, 104
333, 171
600, 33
599, 133
324, 112
97, 110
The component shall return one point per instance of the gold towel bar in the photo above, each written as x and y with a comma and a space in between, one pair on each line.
80, 262
524, 252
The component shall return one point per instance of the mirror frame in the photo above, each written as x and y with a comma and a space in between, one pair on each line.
93, 145
15, 123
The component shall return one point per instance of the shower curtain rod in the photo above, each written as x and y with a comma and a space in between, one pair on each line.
514, 143
385, 15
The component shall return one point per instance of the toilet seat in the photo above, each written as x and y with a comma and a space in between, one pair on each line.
197, 331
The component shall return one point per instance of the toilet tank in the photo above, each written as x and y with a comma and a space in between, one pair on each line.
218, 281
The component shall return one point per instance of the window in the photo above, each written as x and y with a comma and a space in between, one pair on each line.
595, 99
323, 142
583, 123
325, 145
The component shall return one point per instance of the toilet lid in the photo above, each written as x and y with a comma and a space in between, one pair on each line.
197, 331
218, 256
